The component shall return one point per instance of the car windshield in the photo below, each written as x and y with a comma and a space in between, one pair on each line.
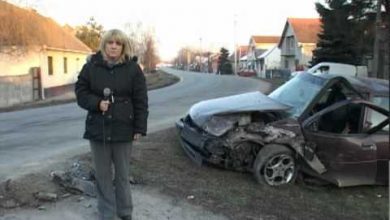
381, 101
298, 92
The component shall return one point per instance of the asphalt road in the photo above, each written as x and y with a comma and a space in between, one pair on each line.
34, 138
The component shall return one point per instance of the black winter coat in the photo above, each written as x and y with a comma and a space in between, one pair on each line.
129, 111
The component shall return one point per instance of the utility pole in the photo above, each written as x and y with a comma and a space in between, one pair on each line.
376, 64
200, 54
235, 44
188, 60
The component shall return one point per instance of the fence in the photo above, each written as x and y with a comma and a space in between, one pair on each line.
20, 89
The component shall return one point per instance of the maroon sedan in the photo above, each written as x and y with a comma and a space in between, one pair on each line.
323, 126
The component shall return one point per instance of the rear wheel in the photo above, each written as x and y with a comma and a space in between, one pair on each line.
275, 165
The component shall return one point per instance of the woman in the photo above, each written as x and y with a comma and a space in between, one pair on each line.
112, 88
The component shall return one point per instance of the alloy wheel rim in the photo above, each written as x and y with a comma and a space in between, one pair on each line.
279, 170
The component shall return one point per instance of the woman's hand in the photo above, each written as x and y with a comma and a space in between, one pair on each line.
137, 136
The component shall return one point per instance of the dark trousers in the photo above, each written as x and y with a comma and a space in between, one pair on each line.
112, 197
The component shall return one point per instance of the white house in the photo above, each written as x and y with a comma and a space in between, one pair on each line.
299, 39
268, 60
258, 46
30, 40
241, 53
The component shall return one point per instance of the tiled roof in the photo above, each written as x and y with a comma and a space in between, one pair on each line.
20, 26
243, 49
306, 29
266, 39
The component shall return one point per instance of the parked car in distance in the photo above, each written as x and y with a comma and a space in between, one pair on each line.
328, 127
336, 69
339, 68
247, 73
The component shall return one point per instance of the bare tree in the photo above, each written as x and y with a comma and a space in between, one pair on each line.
135, 34
186, 57
150, 55
143, 44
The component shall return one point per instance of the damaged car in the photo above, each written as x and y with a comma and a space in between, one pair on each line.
332, 128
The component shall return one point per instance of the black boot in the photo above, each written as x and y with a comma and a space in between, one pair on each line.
126, 217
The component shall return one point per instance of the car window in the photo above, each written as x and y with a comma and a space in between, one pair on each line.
335, 93
345, 119
349, 118
374, 118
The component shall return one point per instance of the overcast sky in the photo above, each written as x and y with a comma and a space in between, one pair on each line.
178, 23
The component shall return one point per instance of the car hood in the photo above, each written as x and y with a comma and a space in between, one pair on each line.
246, 102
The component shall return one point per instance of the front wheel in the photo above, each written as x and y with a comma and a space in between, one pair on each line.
275, 165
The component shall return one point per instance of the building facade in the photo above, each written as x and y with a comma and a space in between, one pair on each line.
299, 39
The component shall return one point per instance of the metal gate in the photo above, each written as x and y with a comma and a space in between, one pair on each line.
37, 83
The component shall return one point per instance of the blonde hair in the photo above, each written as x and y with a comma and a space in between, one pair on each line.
116, 35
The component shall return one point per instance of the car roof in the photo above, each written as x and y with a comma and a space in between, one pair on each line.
365, 84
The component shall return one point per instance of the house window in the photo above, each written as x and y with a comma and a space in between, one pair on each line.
65, 65
290, 44
77, 65
50, 65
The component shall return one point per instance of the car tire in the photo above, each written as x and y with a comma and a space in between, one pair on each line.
275, 165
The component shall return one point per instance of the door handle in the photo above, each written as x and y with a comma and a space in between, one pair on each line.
369, 146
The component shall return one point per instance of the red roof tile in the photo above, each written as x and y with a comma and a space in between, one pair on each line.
266, 39
306, 29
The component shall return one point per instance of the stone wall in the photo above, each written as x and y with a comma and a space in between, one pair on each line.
16, 89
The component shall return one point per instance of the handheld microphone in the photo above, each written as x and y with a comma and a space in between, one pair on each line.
106, 93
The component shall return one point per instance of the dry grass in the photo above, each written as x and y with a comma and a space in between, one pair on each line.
160, 162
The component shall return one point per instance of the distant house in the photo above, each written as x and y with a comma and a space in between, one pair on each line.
299, 39
262, 54
29, 40
268, 60
241, 53
213, 60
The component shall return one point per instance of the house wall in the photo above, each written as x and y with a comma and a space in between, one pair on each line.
297, 55
16, 89
265, 46
288, 51
284, 49
251, 59
307, 53
271, 61
75, 62
18, 63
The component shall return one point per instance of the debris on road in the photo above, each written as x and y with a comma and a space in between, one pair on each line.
45, 196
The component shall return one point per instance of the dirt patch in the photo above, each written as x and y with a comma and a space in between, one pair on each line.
160, 79
159, 162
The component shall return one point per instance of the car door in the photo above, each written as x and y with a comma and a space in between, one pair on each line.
376, 123
351, 156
